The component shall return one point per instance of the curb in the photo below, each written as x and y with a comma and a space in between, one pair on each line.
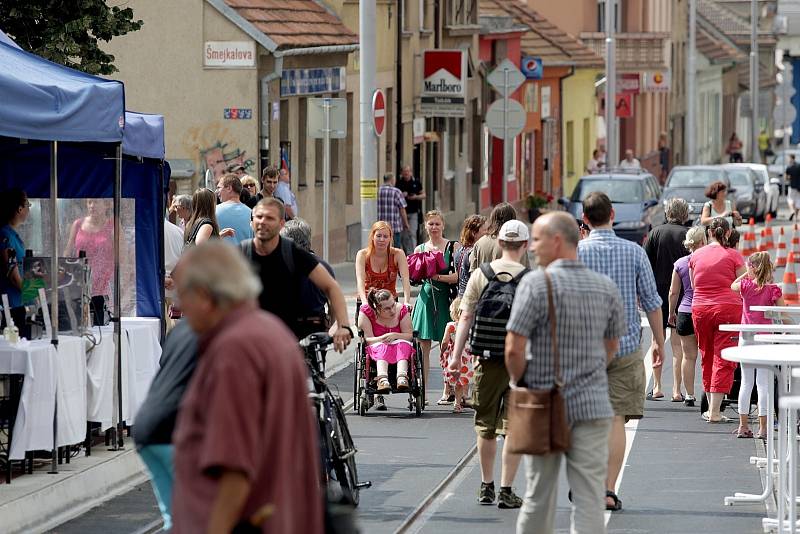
47, 507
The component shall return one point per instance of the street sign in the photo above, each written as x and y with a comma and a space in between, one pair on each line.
784, 115
506, 78
532, 67
515, 122
316, 117
378, 112
658, 81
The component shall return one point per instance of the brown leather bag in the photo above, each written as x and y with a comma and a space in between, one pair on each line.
537, 418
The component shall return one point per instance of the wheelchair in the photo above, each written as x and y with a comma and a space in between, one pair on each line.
365, 373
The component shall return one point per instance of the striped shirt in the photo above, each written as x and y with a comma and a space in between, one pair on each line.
588, 309
627, 265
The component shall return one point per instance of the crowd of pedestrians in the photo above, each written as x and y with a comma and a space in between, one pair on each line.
497, 320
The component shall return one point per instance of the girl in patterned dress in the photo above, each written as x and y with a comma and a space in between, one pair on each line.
456, 383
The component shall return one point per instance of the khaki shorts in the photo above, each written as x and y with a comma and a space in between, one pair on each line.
626, 385
489, 397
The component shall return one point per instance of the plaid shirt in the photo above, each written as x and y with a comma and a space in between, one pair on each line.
390, 200
588, 309
627, 265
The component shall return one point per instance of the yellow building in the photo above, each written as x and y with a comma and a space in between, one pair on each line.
579, 124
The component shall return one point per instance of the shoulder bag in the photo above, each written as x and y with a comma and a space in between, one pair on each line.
537, 418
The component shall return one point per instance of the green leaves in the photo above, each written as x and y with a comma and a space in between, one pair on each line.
67, 32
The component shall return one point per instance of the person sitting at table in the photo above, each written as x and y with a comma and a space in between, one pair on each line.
14, 210
757, 288
387, 331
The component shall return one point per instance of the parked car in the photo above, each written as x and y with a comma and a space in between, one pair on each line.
771, 187
636, 198
689, 182
751, 200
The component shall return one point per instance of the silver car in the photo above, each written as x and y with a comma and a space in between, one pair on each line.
770, 186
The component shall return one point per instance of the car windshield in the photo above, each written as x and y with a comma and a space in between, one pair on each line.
619, 191
693, 177
739, 177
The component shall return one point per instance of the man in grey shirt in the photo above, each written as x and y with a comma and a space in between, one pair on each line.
589, 320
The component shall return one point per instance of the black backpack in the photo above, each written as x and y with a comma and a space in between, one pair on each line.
487, 337
286, 251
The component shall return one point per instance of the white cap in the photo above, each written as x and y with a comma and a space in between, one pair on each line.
514, 231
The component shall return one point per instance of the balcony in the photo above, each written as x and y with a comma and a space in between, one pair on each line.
635, 51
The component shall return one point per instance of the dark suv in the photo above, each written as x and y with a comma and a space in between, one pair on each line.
636, 198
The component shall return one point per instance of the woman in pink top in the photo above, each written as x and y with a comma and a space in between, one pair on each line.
757, 288
712, 270
94, 234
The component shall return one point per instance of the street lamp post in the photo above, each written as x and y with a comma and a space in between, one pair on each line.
368, 142
691, 87
612, 152
754, 81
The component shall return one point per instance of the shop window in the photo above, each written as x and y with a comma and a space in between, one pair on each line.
570, 149
302, 167
531, 98
462, 12
449, 141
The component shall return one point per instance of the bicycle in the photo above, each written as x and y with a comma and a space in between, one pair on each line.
338, 450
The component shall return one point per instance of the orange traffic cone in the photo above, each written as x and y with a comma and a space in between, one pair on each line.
768, 239
790, 295
795, 244
749, 239
781, 254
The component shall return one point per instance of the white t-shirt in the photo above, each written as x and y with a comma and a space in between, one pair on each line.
634, 164
173, 245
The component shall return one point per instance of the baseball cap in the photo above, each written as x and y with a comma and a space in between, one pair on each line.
514, 231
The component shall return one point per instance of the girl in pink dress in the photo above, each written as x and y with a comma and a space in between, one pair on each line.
757, 288
455, 380
388, 333
94, 234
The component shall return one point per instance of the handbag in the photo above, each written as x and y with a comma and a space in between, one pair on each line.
537, 418
424, 265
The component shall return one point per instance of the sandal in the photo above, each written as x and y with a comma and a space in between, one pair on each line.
383, 385
743, 434
651, 396
762, 435
457, 408
617, 506
444, 401
402, 382
679, 398
722, 419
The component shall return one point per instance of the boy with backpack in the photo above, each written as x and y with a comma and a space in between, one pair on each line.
485, 309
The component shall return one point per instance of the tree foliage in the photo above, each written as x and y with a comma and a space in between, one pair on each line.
67, 31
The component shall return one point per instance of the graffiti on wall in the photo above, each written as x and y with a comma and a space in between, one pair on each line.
215, 150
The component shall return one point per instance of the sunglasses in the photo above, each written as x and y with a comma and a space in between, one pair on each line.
250, 185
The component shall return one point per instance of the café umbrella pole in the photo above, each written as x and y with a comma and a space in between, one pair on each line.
117, 320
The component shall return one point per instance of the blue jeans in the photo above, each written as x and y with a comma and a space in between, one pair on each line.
160, 463
397, 239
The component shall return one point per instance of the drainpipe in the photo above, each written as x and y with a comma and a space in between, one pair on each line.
398, 90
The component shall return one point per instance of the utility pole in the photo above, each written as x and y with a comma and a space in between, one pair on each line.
368, 141
326, 172
754, 81
612, 151
506, 144
690, 135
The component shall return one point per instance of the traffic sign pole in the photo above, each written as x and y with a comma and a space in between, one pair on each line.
368, 141
326, 172
505, 135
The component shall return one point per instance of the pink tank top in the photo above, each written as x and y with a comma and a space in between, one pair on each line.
99, 247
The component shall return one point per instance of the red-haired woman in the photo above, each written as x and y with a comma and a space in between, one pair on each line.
378, 265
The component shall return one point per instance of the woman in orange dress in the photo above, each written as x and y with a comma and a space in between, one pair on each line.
378, 265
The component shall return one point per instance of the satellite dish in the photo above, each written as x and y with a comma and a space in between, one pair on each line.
209, 178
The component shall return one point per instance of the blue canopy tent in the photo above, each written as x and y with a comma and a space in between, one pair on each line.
61, 136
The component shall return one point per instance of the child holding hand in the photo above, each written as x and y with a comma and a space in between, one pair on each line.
457, 370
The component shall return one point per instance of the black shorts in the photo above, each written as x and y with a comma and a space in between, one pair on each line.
684, 325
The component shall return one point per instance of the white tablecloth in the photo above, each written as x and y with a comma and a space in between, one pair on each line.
47, 375
141, 352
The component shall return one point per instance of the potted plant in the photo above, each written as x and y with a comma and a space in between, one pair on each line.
535, 202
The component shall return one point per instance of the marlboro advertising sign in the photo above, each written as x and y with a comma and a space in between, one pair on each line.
444, 83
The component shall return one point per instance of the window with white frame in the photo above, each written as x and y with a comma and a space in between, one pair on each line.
425, 16
405, 15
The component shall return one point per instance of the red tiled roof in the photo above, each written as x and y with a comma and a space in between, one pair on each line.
295, 23
551, 43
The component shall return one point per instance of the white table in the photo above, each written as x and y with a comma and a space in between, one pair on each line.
141, 352
779, 359
49, 375
778, 338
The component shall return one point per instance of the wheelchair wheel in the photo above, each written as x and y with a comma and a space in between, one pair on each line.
356, 376
363, 404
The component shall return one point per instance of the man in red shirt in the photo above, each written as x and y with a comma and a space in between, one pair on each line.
246, 448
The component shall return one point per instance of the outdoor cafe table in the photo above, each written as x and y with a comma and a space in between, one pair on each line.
779, 360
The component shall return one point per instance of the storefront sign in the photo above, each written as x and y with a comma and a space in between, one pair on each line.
532, 67
419, 130
657, 81
444, 83
628, 83
295, 82
237, 113
229, 54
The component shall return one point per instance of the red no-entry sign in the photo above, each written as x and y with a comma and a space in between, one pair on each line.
378, 112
